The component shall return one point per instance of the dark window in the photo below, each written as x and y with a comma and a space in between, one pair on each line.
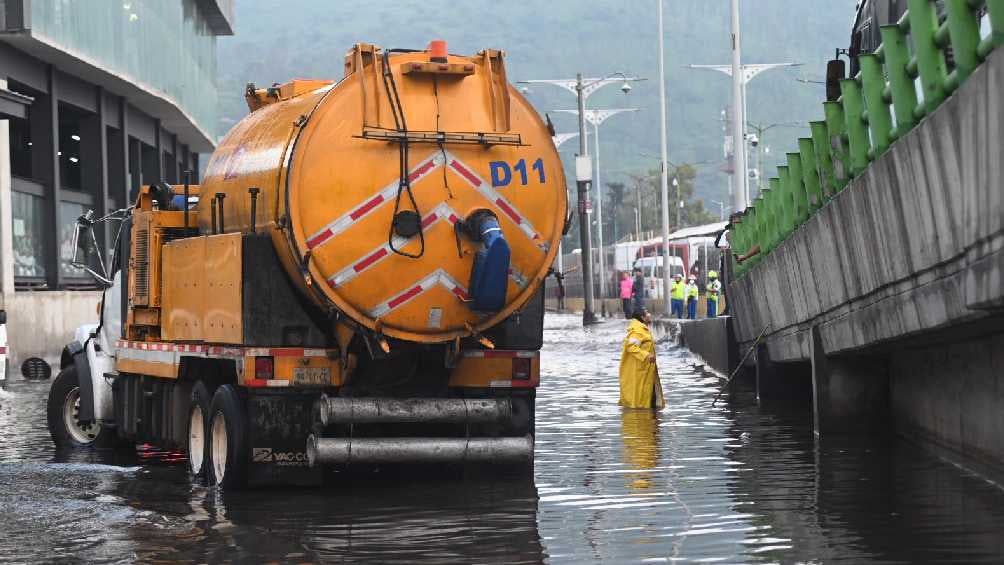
20, 148
68, 214
70, 142
28, 221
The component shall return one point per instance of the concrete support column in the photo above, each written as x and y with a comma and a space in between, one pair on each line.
46, 146
6, 221
850, 394
126, 153
159, 146
781, 383
107, 236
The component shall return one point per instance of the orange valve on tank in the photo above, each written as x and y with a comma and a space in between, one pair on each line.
437, 50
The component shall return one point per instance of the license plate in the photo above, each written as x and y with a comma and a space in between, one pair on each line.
312, 376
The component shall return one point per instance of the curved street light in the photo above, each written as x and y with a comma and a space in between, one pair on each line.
583, 88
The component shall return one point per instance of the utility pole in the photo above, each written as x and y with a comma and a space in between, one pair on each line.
558, 139
596, 118
739, 197
721, 209
664, 177
741, 76
583, 171
758, 141
583, 175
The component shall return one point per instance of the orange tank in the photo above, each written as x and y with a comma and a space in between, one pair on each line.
328, 160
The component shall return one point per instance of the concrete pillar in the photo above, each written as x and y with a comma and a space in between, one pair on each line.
107, 235
47, 146
849, 394
781, 383
6, 222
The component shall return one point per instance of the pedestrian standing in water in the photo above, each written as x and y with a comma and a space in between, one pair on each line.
639, 375
638, 290
627, 294
677, 293
693, 293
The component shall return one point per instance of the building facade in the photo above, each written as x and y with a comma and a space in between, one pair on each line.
97, 97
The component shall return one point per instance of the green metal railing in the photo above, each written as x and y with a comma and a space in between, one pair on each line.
876, 107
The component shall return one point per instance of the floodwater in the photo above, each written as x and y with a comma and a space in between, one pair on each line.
690, 484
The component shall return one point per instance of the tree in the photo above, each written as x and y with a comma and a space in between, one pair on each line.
644, 195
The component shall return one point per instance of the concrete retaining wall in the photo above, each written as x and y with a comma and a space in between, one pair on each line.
913, 245
953, 396
39, 324
612, 308
712, 339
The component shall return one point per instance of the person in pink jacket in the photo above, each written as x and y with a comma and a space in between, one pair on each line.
627, 294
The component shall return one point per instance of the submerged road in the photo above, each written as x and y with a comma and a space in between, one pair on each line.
690, 484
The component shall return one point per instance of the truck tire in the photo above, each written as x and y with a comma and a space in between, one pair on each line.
198, 429
228, 452
63, 410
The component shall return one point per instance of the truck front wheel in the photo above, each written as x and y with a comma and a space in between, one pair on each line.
228, 452
63, 412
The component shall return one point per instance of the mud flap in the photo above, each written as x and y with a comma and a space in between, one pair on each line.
78, 355
278, 425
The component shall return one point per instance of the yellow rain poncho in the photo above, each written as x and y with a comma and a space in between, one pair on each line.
640, 386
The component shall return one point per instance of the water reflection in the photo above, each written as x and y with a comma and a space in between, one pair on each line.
640, 433
416, 519
732, 484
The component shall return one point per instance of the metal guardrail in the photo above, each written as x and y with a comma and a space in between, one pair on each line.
876, 107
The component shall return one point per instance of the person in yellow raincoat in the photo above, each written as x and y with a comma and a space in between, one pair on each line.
639, 376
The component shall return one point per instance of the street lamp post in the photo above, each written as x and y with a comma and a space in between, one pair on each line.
596, 118
582, 177
721, 209
741, 76
758, 141
558, 139
664, 176
583, 89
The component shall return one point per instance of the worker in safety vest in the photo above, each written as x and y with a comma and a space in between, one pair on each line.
692, 296
677, 294
639, 376
714, 290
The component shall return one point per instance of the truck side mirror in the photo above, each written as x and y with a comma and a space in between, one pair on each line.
836, 70
3, 316
85, 245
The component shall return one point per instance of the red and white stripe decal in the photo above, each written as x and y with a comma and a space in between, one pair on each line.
493, 196
172, 352
421, 171
264, 383
442, 212
284, 352
438, 277
385, 195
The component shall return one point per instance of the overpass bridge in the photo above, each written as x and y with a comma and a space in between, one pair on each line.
881, 272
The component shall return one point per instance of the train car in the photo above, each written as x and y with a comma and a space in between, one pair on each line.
360, 282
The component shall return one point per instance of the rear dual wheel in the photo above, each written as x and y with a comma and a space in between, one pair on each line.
227, 449
198, 430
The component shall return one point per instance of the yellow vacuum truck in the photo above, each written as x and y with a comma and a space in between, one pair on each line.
358, 279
